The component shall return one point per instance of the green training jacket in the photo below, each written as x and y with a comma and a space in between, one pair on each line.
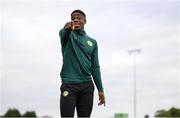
80, 58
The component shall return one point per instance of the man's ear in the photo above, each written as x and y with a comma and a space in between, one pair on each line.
84, 21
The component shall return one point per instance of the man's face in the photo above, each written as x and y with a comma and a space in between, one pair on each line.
78, 20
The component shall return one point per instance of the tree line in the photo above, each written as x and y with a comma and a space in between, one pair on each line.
15, 113
172, 112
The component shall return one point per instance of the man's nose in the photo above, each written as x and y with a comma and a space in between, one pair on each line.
75, 20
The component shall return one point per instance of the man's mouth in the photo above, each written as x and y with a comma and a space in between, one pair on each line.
77, 26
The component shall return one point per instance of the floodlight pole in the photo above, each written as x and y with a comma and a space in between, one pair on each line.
134, 52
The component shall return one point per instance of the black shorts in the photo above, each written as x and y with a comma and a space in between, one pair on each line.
79, 96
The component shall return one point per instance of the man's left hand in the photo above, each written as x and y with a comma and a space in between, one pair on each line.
101, 98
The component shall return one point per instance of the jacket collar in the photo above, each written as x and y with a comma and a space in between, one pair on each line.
81, 32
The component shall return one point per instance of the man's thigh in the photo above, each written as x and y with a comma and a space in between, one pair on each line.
85, 100
68, 100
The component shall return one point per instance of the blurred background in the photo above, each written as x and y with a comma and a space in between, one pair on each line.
138, 52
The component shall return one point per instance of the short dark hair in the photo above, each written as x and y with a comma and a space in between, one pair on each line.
79, 11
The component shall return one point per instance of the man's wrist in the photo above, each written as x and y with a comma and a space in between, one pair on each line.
100, 91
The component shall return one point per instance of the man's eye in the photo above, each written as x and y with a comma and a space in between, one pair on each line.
76, 18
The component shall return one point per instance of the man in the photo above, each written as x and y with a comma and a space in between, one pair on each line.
80, 65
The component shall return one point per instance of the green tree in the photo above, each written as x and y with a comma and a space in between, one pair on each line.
29, 114
175, 112
162, 113
172, 112
12, 113
146, 116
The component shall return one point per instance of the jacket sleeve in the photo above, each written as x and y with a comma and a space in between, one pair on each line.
96, 74
63, 34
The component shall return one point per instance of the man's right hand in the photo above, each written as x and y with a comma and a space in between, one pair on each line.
69, 25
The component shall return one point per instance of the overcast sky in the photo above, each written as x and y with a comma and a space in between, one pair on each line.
31, 57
